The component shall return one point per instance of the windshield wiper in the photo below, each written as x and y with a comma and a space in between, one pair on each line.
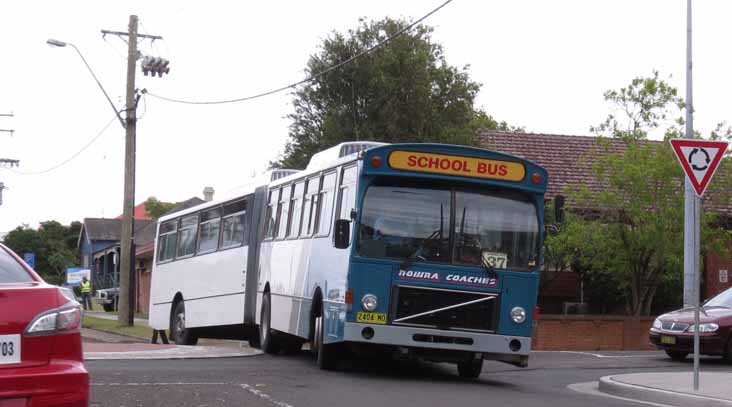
417, 254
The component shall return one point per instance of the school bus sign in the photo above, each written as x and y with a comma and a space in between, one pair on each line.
457, 165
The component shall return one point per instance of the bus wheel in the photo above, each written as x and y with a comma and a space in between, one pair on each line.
471, 369
266, 337
325, 355
181, 334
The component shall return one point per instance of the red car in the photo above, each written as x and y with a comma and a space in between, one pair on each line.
41, 361
674, 332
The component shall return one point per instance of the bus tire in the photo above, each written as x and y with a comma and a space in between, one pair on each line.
254, 340
325, 355
470, 369
108, 307
178, 330
266, 333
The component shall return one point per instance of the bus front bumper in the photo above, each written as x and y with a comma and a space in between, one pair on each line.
494, 347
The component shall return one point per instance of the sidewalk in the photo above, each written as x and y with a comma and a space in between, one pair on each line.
107, 346
113, 317
671, 388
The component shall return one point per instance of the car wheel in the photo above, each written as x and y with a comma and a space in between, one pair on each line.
180, 334
325, 355
677, 355
266, 335
728, 351
108, 307
471, 369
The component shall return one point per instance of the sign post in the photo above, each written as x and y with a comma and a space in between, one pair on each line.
699, 159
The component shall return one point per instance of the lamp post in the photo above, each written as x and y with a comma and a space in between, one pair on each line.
125, 306
127, 240
61, 44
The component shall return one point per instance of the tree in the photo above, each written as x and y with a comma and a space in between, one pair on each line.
640, 209
155, 208
403, 91
53, 244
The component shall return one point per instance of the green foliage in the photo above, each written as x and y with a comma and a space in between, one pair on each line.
156, 209
54, 245
632, 242
402, 92
645, 105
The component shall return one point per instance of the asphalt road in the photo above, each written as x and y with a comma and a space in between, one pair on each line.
293, 380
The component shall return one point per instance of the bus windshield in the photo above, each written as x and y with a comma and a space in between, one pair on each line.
464, 226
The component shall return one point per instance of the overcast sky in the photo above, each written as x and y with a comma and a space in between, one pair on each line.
543, 64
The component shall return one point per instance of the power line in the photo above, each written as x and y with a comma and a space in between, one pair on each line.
70, 158
306, 80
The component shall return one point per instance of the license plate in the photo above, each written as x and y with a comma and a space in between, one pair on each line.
371, 317
9, 349
668, 340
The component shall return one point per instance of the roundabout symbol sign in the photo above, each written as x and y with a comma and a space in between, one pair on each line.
699, 159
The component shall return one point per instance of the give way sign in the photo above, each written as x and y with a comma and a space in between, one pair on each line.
699, 159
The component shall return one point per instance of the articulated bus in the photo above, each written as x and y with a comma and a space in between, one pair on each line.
427, 251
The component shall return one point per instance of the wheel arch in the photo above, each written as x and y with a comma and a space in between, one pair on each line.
316, 309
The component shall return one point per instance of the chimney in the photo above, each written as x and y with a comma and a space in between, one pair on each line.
208, 194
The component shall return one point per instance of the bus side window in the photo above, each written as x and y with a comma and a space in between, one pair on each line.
284, 211
347, 193
208, 230
166, 240
187, 235
269, 227
234, 226
311, 205
325, 204
278, 214
296, 208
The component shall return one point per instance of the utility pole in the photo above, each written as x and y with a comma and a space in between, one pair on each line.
6, 162
127, 241
692, 213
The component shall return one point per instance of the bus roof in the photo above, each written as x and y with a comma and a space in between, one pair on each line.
237, 192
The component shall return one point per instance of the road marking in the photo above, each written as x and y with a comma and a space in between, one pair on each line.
163, 384
600, 356
264, 396
592, 389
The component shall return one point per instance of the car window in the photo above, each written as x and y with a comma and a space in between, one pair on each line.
11, 271
723, 299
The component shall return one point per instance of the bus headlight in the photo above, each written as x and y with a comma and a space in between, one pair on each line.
518, 315
369, 302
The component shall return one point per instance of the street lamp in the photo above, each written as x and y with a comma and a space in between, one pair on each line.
57, 43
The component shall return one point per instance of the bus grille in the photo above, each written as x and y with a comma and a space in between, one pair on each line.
444, 309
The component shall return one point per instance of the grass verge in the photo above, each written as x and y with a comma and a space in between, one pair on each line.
110, 326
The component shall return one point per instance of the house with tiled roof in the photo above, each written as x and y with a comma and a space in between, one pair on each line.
569, 161
99, 246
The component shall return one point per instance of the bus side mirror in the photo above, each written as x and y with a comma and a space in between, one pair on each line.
342, 234
559, 209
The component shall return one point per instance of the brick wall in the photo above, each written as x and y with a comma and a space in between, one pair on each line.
713, 282
592, 333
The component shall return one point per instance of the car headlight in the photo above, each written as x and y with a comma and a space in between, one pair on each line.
712, 327
657, 324
369, 302
518, 315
